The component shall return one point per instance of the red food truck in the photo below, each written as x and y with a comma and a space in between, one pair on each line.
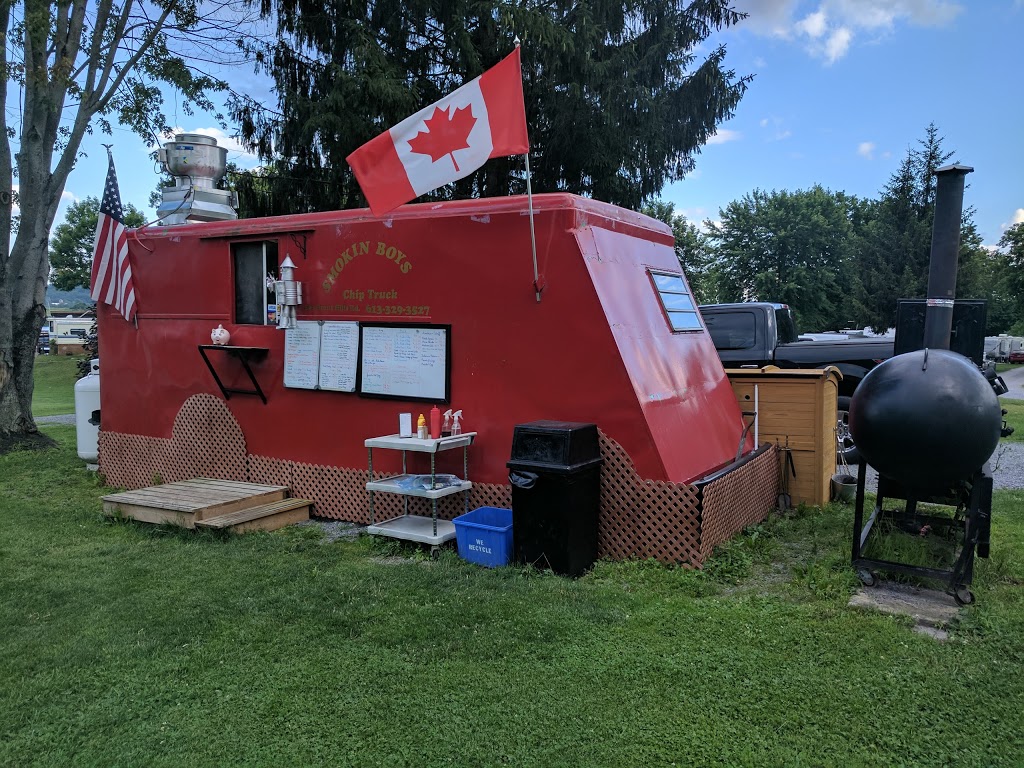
614, 338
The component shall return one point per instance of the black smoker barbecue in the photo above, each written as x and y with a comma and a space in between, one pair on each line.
928, 421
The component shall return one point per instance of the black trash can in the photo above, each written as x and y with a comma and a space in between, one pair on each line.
555, 472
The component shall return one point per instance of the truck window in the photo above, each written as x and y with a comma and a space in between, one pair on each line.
732, 330
252, 262
676, 301
786, 326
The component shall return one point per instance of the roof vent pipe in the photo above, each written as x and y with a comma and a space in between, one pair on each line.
197, 164
949, 207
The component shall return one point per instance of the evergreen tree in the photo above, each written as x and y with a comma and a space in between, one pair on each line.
617, 100
895, 246
692, 249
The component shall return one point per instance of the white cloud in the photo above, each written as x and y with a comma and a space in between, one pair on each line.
723, 135
814, 26
775, 123
1018, 216
767, 17
828, 32
838, 44
866, 149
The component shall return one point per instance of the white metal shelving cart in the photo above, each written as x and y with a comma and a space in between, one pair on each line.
419, 528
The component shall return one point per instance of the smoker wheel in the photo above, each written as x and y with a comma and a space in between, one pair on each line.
963, 596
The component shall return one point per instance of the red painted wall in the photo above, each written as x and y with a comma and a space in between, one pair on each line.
596, 348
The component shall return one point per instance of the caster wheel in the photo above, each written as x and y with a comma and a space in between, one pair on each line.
435, 552
963, 596
867, 578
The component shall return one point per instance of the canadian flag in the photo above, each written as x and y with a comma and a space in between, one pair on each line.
446, 141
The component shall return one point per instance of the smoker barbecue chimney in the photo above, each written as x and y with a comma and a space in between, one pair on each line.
196, 163
949, 206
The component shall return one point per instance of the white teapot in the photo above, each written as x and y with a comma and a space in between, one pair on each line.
220, 336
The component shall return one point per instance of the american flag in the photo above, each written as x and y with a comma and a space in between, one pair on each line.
111, 269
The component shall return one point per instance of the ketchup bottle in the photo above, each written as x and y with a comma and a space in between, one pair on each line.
435, 422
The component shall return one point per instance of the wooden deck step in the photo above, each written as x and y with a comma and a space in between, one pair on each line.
188, 501
266, 517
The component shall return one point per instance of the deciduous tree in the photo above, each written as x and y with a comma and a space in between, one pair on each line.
791, 247
71, 246
75, 65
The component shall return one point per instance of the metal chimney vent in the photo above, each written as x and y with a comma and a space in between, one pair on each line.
196, 163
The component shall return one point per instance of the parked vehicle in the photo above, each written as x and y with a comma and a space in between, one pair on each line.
1017, 356
764, 333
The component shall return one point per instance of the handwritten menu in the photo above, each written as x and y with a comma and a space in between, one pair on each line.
339, 356
321, 355
401, 361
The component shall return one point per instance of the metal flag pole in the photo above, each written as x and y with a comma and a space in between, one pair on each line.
529, 197
533, 234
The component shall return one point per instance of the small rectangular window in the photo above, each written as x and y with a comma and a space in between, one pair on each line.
253, 261
676, 301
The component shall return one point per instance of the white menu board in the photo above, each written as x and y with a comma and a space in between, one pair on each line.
321, 355
339, 356
405, 361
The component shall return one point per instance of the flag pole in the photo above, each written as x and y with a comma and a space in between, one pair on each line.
529, 197
533, 234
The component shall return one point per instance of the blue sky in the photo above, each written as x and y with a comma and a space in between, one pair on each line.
842, 89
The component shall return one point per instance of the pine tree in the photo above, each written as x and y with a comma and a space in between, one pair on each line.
617, 100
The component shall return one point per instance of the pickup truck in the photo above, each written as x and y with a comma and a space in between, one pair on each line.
762, 333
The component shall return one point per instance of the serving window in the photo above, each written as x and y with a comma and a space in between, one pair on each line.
253, 261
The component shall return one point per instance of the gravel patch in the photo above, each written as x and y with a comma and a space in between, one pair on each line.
334, 530
62, 418
1006, 464
1014, 381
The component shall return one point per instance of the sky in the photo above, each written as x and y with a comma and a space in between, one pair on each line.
842, 89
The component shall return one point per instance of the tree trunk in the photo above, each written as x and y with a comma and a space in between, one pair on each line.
22, 311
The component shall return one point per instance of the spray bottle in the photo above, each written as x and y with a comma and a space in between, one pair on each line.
446, 428
456, 427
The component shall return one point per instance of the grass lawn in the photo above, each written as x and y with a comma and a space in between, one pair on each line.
1004, 367
126, 644
55, 379
1014, 417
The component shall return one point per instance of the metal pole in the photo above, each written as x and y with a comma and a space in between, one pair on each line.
533, 234
949, 206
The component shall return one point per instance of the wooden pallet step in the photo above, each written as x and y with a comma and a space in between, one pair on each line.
185, 502
266, 517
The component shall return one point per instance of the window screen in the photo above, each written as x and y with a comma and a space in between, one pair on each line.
252, 262
676, 300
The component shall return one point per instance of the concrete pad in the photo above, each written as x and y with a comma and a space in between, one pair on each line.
927, 607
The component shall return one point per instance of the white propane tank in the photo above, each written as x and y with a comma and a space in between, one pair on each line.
87, 402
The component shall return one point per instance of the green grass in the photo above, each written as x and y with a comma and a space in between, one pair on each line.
126, 644
1014, 418
55, 379
1004, 367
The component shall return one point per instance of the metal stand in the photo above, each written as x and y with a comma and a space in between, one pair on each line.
972, 503
243, 355
418, 528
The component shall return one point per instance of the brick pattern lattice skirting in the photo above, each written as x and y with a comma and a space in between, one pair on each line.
670, 522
